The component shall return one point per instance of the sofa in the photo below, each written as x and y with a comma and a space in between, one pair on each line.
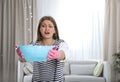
74, 71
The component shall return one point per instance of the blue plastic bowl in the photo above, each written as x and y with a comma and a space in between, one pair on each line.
35, 53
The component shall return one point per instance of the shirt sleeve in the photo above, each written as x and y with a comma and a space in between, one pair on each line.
64, 47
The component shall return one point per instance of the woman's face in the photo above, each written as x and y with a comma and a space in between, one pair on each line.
47, 29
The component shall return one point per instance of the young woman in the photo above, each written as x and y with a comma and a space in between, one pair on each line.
47, 35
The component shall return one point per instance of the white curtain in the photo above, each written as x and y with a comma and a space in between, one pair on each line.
17, 19
80, 24
26, 20
8, 61
112, 34
27, 24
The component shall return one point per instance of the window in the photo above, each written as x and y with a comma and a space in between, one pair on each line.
80, 24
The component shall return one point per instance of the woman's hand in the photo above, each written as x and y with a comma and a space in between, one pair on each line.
54, 54
21, 57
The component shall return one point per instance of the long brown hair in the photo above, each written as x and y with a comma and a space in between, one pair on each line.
55, 35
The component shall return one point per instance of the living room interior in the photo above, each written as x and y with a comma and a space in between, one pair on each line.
90, 27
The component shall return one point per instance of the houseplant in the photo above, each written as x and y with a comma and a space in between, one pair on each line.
117, 63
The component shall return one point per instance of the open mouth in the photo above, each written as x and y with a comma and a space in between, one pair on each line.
47, 32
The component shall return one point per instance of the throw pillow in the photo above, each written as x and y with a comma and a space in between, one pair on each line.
98, 69
28, 68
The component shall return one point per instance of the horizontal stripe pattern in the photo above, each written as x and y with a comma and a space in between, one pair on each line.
48, 71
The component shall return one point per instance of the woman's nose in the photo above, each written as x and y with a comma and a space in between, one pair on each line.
47, 27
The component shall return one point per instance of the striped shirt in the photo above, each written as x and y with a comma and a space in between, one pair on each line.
50, 71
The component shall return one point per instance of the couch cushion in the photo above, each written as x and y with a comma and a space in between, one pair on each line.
66, 68
82, 68
27, 78
82, 78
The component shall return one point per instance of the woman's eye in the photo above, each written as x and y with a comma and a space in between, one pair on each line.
50, 26
43, 26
